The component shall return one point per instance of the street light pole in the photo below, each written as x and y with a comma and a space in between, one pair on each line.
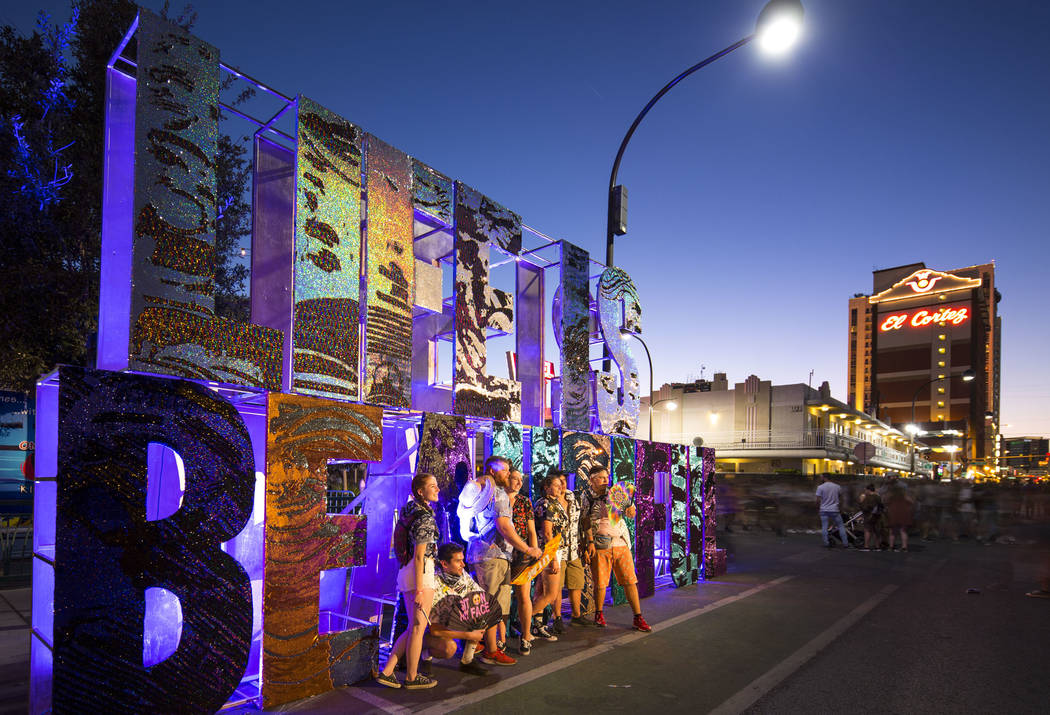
777, 28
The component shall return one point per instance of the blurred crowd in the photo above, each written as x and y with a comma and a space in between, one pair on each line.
982, 511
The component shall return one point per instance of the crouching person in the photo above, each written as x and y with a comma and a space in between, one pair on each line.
462, 611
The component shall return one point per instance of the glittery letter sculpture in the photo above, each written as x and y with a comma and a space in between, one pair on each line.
696, 510
443, 450
574, 330
327, 254
618, 309
650, 458
391, 275
302, 540
546, 455
507, 441
580, 452
713, 567
623, 473
173, 325
107, 553
681, 564
479, 222
431, 192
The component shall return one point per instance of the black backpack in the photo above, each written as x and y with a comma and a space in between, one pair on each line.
403, 548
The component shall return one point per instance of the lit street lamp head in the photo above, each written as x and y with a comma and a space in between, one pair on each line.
969, 376
779, 25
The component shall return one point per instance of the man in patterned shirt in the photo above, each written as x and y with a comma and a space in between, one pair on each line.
608, 547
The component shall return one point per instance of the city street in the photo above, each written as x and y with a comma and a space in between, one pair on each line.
792, 627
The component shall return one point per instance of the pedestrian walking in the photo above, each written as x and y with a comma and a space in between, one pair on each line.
828, 496
872, 506
900, 510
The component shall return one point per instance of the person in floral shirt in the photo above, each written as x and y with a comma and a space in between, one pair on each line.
524, 520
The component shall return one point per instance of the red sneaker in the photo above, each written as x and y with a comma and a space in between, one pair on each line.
496, 658
640, 624
599, 619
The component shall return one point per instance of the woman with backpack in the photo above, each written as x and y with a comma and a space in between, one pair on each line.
415, 543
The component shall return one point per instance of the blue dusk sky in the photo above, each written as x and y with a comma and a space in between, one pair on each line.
762, 192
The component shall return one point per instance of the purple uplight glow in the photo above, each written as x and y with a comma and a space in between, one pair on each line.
162, 625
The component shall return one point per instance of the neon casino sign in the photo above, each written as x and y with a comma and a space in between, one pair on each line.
954, 315
182, 531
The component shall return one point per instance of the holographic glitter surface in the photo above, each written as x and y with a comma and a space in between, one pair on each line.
711, 563
173, 326
444, 452
617, 400
431, 192
574, 328
107, 553
546, 455
580, 452
302, 540
650, 458
391, 270
508, 441
479, 222
327, 254
681, 567
623, 473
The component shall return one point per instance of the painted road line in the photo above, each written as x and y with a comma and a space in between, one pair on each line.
451, 704
750, 694
375, 701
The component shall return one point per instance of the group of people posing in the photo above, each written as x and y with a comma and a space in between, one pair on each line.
452, 593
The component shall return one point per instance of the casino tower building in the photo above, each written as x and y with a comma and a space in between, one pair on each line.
912, 339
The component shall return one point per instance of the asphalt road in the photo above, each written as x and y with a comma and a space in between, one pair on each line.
792, 628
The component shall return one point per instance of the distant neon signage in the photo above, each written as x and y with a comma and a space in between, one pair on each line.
921, 318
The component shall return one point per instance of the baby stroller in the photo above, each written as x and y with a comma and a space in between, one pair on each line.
854, 529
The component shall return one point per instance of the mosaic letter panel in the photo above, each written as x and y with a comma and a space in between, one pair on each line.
507, 441
650, 457
681, 566
710, 506
479, 222
574, 329
107, 553
546, 455
618, 308
174, 329
444, 451
391, 276
431, 192
302, 540
696, 512
327, 254
623, 473
580, 451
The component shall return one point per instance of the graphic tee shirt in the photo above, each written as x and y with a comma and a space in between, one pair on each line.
596, 509
489, 543
829, 496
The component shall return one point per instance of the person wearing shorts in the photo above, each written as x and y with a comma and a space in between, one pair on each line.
615, 555
415, 582
490, 551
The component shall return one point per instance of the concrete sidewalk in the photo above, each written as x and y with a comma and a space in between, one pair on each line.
15, 612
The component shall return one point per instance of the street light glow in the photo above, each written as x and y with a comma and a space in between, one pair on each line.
779, 26
672, 406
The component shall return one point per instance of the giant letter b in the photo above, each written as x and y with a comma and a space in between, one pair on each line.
107, 552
